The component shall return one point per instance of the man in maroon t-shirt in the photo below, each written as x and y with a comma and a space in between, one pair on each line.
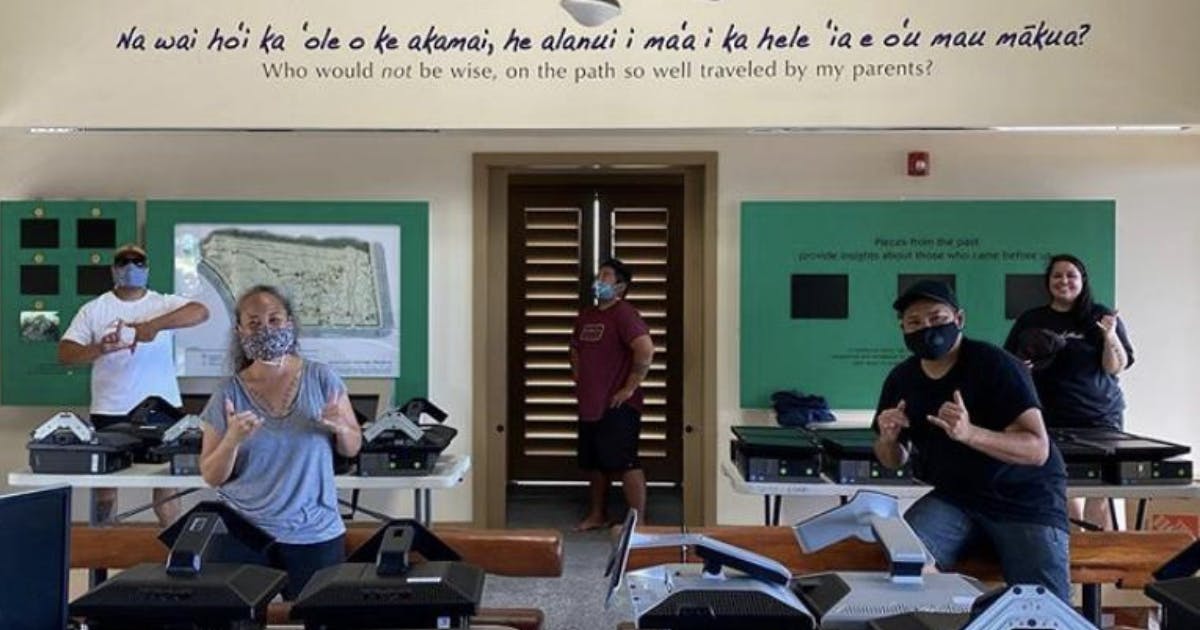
611, 353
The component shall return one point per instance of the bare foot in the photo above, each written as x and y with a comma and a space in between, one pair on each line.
590, 523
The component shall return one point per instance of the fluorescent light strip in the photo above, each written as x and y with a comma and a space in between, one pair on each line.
596, 233
1095, 128
552, 484
1003, 128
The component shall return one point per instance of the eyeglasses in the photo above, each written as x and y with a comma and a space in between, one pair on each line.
130, 260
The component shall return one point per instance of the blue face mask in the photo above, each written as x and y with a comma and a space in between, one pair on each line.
131, 276
603, 291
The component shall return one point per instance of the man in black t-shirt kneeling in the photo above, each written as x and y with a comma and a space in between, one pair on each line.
967, 413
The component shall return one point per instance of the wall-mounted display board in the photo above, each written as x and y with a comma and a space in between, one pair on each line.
818, 280
356, 272
57, 256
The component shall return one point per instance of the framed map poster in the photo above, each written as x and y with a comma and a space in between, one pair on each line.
339, 278
357, 273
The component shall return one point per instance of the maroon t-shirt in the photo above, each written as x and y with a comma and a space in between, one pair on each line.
601, 340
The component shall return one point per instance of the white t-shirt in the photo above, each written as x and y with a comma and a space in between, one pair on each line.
122, 379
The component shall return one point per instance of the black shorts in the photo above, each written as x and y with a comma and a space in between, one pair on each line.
610, 444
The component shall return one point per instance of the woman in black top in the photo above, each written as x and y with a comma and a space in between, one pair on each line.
1076, 349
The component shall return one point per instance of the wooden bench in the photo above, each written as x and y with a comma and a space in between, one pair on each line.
514, 553
1125, 559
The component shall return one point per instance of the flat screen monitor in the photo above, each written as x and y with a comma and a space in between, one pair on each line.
618, 560
847, 442
377, 585
1178, 589
1127, 446
35, 547
198, 591
1185, 564
1181, 602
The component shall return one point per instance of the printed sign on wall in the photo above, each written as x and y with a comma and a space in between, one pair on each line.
546, 64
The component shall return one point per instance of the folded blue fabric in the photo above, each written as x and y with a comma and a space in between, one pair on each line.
795, 409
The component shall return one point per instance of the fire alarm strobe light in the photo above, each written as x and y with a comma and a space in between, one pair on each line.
918, 163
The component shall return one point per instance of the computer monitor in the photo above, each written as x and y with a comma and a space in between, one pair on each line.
190, 591
618, 559
1015, 607
1177, 588
35, 547
1184, 564
378, 585
1180, 599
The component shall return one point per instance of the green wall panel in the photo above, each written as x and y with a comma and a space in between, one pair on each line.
29, 370
838, 335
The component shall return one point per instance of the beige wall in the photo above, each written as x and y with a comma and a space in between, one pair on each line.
1154, 179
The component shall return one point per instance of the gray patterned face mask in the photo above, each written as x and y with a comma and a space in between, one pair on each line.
269, 344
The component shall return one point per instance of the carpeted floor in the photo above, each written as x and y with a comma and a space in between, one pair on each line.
574, 601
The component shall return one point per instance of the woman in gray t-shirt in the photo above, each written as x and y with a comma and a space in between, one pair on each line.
267, 439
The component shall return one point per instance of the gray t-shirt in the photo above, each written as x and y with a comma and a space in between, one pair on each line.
282, 478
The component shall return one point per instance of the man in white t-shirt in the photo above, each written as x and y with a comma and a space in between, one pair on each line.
126, 335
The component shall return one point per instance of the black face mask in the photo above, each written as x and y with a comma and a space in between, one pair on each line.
933, 342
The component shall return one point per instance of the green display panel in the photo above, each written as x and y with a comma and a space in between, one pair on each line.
818, 280
56, 257
309, 245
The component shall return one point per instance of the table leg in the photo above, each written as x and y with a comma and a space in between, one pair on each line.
1091, 603
428, 507
1140, 522
153, 504
383, 518
418, 506
778, 509
95, 576
767, 510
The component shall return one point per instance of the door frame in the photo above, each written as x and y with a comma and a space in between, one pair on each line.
489, 364
578, 191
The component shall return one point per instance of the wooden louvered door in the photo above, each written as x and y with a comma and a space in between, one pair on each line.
547, 233
644, 228
558, 233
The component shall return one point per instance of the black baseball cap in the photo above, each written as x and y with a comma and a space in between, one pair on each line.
926, 290
622, 272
